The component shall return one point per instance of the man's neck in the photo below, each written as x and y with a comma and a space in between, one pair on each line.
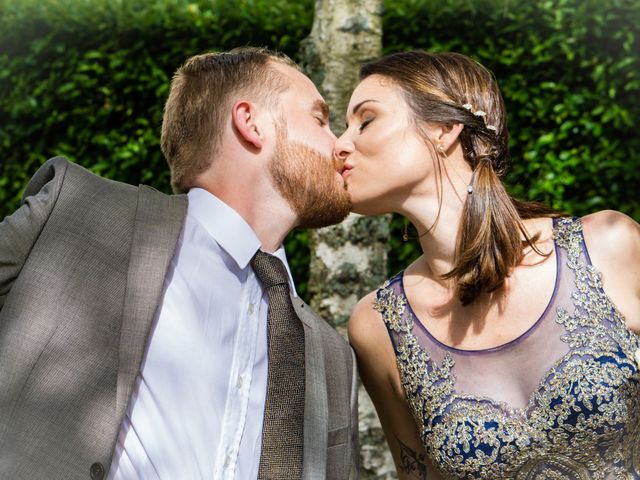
268, 215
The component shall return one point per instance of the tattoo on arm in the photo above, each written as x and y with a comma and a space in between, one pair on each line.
412, 463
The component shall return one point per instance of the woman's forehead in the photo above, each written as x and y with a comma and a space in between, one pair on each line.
378, 88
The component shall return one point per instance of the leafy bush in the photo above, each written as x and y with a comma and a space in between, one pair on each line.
88, 79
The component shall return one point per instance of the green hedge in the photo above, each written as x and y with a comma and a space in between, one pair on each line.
88, 78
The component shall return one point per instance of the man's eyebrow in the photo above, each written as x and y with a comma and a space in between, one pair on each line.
322, 107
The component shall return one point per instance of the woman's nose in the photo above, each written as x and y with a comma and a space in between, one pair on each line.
343, 148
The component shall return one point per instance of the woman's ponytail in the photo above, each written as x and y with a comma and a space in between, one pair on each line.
489, 241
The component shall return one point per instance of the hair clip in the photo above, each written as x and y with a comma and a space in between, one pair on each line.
480, 113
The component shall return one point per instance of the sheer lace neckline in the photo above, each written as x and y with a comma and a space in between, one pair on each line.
503, 346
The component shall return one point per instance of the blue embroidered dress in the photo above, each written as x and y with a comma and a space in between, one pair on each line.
560, 402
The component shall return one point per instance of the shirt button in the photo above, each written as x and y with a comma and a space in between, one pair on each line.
227, 461
239, 381
97, 471
252, 307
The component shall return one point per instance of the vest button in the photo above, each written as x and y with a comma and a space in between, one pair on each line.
97, 471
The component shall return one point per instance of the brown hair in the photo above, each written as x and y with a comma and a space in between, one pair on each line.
450, 88
200, 96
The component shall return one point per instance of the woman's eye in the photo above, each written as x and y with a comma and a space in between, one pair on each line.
364, 124
321, 121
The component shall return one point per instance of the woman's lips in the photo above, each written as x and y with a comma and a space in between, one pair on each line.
346, 169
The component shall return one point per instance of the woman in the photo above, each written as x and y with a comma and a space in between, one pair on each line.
510, 348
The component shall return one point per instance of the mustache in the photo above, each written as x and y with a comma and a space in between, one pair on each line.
338, 165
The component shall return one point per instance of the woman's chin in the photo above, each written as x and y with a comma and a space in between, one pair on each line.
368, 207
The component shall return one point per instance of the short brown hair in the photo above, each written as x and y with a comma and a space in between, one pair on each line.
200, 96
449, 88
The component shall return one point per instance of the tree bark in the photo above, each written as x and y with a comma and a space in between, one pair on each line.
348, 260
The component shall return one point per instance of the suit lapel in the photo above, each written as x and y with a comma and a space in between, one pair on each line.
316, 409
158, 224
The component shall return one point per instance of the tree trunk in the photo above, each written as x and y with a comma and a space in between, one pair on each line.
348, 260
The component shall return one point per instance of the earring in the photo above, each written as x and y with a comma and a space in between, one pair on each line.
469, 186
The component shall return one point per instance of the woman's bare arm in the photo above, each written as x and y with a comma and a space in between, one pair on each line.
377, 367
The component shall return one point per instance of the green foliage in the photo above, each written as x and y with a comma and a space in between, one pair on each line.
88, 79
570, 76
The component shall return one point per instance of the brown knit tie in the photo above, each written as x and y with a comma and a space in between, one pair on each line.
282, 432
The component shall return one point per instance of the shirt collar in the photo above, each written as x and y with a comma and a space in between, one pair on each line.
227, 227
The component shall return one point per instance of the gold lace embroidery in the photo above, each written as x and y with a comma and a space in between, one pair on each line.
583, 421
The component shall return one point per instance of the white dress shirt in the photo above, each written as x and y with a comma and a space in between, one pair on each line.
197, 407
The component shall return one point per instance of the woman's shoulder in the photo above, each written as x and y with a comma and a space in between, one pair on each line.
611, 235
364, 317
608, 219
613, 242
370, 340
371, 315
366, 325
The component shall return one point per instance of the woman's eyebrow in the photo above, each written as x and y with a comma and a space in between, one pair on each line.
357, 107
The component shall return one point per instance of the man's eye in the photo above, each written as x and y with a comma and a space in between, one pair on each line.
364, 124
321, 121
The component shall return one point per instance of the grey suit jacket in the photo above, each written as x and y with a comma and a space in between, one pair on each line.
82, 266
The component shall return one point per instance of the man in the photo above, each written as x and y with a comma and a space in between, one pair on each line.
152, 336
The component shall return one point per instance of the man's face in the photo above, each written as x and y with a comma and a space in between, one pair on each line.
303, 168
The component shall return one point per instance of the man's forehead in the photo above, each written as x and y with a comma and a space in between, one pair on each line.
299, 81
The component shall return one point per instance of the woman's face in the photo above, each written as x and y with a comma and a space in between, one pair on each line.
386, 161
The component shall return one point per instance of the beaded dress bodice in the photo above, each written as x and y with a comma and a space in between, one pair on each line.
562, 401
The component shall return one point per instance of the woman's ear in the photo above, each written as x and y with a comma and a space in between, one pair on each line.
243, 116
446, 135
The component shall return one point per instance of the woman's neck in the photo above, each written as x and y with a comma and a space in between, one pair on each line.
437, 235
436, 221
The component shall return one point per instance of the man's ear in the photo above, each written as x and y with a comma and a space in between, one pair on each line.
243, 116
446, 135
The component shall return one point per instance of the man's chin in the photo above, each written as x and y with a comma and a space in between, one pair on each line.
313, 223
331, 213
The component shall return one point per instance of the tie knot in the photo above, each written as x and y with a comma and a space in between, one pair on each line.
269, 269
